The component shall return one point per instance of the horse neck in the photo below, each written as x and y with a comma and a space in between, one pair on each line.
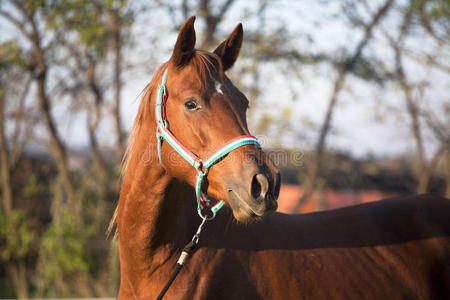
156, 213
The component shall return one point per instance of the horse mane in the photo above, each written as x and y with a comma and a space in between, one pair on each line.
206, 65
144, 108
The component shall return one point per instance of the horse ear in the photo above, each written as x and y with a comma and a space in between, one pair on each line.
228, 51
184, 47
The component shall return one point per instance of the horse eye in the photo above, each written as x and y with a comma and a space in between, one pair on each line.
191, 105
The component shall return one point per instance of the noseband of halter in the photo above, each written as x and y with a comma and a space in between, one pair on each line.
201, 165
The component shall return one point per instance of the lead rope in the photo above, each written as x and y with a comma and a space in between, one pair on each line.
187, 251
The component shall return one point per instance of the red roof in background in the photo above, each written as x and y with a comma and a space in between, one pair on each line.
290, 194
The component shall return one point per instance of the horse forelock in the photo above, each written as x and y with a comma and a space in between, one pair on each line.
208, 67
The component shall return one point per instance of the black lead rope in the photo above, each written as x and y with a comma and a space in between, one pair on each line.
187, 251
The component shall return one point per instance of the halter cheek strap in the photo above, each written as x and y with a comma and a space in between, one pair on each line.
201, 165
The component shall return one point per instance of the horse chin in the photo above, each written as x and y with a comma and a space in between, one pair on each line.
242, 211
244, 216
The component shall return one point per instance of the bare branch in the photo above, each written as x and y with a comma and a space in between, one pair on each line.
437, 128
16, 145
426, 24
185, 9
4, 161
344, 69
223, 10
425, 175
212, 20
117, 83
17, 23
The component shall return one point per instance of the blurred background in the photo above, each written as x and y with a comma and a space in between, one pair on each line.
350, 98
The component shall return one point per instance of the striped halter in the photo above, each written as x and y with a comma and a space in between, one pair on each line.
201, 165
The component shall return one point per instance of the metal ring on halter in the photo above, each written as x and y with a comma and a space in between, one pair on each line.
206, 218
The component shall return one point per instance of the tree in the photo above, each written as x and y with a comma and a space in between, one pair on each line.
28, 24
15, 233
420, 16
344, 69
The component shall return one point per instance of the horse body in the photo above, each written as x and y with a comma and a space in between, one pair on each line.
392, 249
388, 250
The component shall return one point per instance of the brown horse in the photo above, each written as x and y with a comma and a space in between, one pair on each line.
392, 249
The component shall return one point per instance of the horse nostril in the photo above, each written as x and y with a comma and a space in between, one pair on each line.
259, 187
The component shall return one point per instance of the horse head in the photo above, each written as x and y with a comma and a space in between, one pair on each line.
204, 110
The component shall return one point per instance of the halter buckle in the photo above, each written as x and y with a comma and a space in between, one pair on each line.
198, 164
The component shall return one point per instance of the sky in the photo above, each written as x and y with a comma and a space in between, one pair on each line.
355, 129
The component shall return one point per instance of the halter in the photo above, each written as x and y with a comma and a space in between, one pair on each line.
201, 165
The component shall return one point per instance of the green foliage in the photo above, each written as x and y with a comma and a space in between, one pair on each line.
90, 20
35, 5
16, 235
66, 244
82, 17
69, 258
32, 188
75, 260
10, 55
433, 10
63, 258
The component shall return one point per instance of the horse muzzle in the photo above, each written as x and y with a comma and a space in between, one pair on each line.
254, 198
